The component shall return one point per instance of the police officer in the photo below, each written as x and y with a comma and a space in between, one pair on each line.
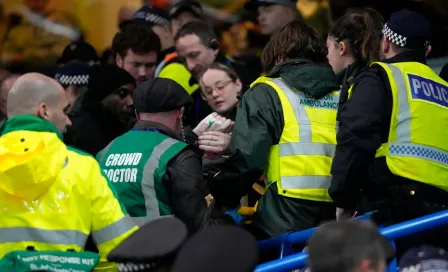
152, 248
392, 130
168, 63
273, 14
153, 170
286, 127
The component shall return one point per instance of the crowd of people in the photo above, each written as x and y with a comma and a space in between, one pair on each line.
149, 156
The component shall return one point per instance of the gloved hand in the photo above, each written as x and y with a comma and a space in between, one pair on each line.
239, 219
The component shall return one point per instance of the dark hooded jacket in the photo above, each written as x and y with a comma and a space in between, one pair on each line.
258, 126
93, 126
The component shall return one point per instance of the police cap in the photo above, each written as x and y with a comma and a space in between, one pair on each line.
408, 29
73, 74
160, 95
254, 4
224, 248
78, 51
154, 245
187, 5
149, 15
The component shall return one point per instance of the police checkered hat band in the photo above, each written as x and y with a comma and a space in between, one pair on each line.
134, 267
151, 18
394, 37
68, 80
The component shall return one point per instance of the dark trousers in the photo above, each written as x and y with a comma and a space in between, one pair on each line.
410, 202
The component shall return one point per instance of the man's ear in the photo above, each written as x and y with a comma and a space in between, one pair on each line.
119, 60
42, 111
428, 50
214, 45
385, 45
137, 115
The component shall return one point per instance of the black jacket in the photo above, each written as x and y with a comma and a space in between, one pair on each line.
364, 122
184, 182
93, 127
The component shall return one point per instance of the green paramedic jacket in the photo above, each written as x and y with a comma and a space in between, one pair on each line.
135, 163
155, 174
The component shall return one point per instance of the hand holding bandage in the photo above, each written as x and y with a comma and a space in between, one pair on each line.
213, 122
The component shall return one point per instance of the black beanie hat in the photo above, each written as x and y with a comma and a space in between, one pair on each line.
104, 80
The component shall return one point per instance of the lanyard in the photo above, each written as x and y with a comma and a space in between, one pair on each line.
147, 129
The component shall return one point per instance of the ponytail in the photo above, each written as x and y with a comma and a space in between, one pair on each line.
370, 42
359, 31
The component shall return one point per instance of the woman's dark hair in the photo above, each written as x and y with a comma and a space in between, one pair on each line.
295, 40
359, 31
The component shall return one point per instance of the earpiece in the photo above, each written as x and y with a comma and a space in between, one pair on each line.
214, 44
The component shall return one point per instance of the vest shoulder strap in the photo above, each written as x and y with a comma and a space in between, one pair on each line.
260, 80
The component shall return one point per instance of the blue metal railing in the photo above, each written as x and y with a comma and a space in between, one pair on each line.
393, 232
293, 238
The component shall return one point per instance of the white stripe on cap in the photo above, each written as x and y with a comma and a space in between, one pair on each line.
73, 80
394, 37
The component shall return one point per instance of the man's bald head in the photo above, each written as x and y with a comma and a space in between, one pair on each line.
39, 95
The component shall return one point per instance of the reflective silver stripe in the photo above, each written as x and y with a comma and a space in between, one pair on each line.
290, 149
113, 230
159, 68
104, 151
419, 151
294, 98
57, 237
306, 182
300, 112
140, 221
403, 106
149, 192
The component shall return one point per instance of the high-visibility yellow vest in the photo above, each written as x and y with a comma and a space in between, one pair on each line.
417, 148
300, 164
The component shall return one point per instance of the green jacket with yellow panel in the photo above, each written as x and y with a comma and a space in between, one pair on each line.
53, 197
266, 137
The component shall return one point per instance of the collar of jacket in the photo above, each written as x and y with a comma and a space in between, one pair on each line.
165, 52
314, 79
28, 122
231, 114
346, 76
410, 56
162, 128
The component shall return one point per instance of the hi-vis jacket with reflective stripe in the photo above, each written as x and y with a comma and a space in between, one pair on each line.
301, 162
52, 197
170, 67
135, 164
417, 148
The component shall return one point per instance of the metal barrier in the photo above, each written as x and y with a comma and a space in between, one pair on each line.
393, 232
293, 238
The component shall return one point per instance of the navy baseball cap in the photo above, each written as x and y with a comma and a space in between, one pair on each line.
149, 15
424, 259
254, 4
78, 51
408, 29
187, 5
